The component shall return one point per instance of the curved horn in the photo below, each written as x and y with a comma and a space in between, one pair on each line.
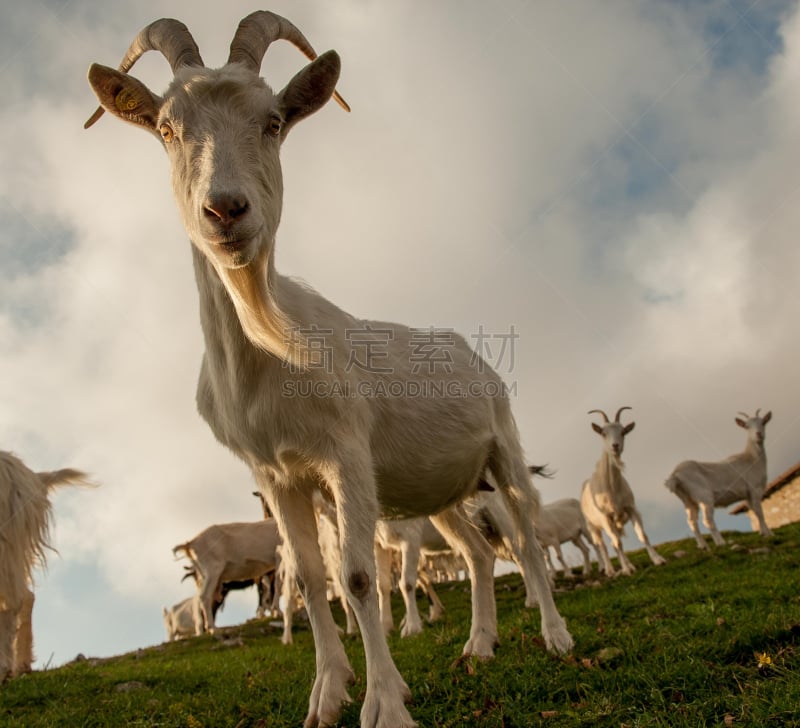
758, 413
170, 37
257, 31
744, 414
600, 412
619, 412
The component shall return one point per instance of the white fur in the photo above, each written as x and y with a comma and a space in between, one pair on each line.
181, 620
305, 417
607, 500
229, 552
24, 528
742, 476
560, 522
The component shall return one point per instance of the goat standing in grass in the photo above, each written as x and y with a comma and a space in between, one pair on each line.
562, 521
24, 528
276, 401
607, 499
742, 476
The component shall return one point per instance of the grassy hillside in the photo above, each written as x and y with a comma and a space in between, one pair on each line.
707, 640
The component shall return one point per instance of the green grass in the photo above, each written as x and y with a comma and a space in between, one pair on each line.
710, 639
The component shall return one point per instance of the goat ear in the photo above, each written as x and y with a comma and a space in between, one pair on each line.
597, 428
628, 428
741, 422
310, 89
124, 96
766, 418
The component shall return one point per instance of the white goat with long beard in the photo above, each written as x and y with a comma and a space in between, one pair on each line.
742, 476
24, 530
308, 417
607, 499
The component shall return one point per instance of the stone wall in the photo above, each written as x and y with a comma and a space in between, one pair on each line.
781, 507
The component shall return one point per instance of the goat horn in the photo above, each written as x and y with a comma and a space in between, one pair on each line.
745, 415
600, 412
619, 412
170, 37
758, 412
257, 31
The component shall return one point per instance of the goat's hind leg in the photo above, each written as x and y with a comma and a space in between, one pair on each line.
8, 628
294, 513
522, 500
710, 523
465, 539
655, 557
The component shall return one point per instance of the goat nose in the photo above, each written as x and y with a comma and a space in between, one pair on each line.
225, 209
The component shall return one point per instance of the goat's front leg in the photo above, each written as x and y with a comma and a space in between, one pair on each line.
352, 483
297, 524
655, 557
23, 642
625, 565
602, 551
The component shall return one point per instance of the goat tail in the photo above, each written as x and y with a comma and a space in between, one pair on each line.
65, 476
673, 484
186, 548
541, 471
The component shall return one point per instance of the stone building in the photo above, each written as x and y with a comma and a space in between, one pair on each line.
781, 500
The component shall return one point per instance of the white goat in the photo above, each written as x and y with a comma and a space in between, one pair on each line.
607, 499
181, 620
24, 530
412, 539
742, 476
225, 553
560, 522
303, 392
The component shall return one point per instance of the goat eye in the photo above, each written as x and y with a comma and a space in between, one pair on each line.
274, 126
167, 133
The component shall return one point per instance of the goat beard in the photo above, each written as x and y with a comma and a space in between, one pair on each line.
265, 324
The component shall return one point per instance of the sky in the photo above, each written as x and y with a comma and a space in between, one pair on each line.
616, 184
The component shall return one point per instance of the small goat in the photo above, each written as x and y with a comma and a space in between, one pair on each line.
181, 620
226, 553
264, 587
24, 530
742, 476
560, 522
374, 455
607, 499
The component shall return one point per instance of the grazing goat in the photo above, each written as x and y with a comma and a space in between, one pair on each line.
742, 476
181, 620
264, 587
607, 499
307, 395
226, 553
559, 522
24, 530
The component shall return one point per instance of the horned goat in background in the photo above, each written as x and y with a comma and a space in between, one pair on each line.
742, 476
24, 531
373, 455
607, 499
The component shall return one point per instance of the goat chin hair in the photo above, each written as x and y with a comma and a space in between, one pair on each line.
264, 323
